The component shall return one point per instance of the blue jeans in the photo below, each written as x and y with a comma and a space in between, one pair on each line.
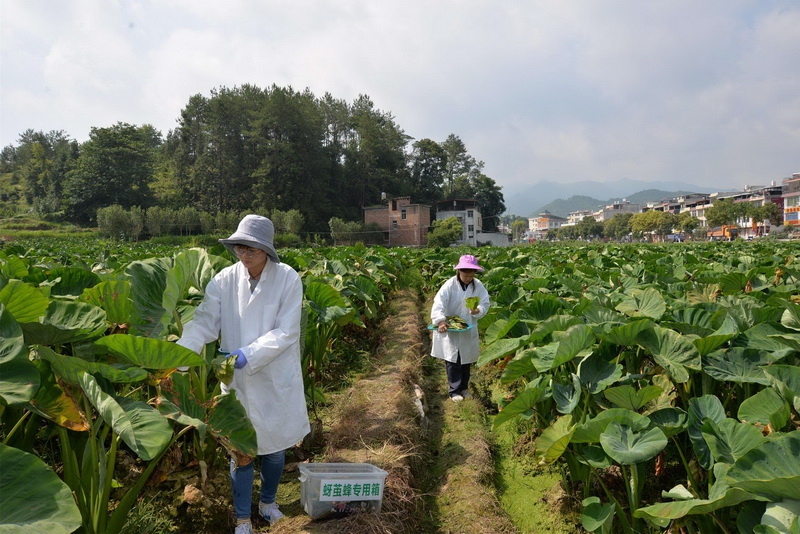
271, 468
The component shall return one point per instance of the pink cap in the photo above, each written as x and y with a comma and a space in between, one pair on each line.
468, 261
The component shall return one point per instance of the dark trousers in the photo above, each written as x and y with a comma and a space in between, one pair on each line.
457, 376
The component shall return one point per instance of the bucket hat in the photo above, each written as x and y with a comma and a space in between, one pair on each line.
254, 231
468, 261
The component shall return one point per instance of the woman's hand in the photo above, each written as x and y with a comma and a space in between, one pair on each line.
442, 327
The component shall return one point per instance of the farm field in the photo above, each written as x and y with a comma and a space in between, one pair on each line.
657, 384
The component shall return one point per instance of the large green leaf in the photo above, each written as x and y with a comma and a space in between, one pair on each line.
70, 368
627, 334
576, 341
19, 379
327, 304
643, 303
764, 408
25, 303
523, 404
700, 408
148, 283
770, 470
729, 439
148, 353
174, 413
705, 345
631, 398
500, 349
597, 373
787, 380
71, 281
671, 421
554, 440
590, 430
672, 351
113, 296
230, 425
66, 322
736, 365
567, 397
520, 366
190, 268
140, 426
628, 447
34, 498
596, 516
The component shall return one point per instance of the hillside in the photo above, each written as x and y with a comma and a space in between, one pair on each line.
563, 207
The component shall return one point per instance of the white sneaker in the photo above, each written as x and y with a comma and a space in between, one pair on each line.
456, 398
244, 528
269, 512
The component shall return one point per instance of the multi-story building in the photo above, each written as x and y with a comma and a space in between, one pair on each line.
405, 224
468, 213
622, 206
791, 200
546, 221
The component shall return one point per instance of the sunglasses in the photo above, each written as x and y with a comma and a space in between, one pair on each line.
244, 250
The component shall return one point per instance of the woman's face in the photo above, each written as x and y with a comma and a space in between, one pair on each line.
466, 275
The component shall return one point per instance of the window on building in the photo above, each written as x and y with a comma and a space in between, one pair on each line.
469, 213
394, 224
470, 228
403, 214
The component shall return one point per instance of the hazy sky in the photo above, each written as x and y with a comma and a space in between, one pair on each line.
700, 91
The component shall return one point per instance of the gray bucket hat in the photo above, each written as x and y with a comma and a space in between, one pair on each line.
254, 231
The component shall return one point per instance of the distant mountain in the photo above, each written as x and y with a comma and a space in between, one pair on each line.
530, 199
562, 207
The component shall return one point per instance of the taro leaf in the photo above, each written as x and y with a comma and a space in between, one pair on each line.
787, 380
762, 337
739, 365
520, 366
567, 397
523, 403
500, 329
789, 340
71, 281
25, 303
782, 516
576, 341
327, 304
70, 368
509, 294
542, 307
229, 424
694, 320
66, 322
764, 408
750, 516
733, 282
19, 379
148, 283
643, 303
148, 353
182, 395
543, 357
500, 349
626, 335
553, 440
173, 413
672, 351
668, 395
34, 497
56, 404
597, 373
791, 315
628, 447
140, 426
631, 398
671, 421
729, 439
770, 470
589, 431
12, 267
557, 323
595, 515
114, 296
700, 408
594, 456
190, 268
705, 345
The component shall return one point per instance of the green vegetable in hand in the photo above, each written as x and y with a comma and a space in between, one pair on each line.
223, 367
472, 302
454, 321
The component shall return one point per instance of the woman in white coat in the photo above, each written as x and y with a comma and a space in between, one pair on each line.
254, 308
459, 350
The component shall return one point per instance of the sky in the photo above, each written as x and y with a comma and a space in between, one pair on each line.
705, 92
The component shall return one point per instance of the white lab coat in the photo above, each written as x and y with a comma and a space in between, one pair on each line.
265, 324
450, 300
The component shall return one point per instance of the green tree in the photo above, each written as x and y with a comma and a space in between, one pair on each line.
725, 212
589, 228
115, 167
686, 223
445, 232
459, 163
518, 228
767, 213
657, 223
618, 226
428, 164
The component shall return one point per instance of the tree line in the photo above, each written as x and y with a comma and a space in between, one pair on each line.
240, 149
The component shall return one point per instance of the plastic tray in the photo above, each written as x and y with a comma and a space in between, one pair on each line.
434, 327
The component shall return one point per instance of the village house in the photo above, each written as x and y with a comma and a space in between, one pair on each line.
403, 223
